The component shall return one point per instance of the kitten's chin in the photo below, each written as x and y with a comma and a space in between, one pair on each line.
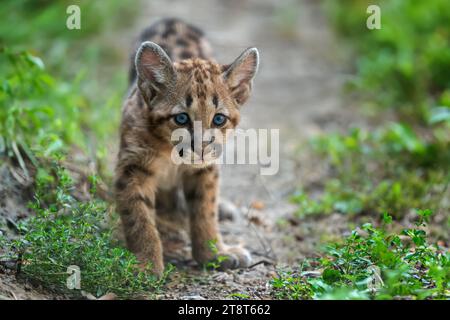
194, 161
201, 165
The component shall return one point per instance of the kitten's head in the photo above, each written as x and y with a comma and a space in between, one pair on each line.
193, 94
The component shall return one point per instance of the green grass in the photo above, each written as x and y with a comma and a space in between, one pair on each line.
394, 167
403, 67
218, 260
42, 121
390, 169
80, 75
40, 114
406, 64
373, 263
66, 232
60, 99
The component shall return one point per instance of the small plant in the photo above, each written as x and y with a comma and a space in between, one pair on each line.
372, 263
39, 114
390, 169
239, 296
67, 232
405, 65
218, 260
291, 286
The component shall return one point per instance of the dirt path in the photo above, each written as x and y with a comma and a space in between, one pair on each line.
296, 91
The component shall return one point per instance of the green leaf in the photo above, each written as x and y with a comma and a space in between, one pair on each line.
330, 275
387, 219
439, 114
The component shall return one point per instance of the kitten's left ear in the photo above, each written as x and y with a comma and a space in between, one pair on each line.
240, 73
155, 72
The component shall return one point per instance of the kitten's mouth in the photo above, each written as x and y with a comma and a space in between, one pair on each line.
206, 159
188, 157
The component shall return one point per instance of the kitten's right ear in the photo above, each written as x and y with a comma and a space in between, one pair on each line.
155, 72
240, 73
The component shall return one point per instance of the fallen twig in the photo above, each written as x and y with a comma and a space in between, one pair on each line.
265, 262
266, 245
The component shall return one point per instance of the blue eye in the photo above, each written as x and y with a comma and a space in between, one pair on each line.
182, 119
219, 119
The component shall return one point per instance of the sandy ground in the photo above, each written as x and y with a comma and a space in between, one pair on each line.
298, 91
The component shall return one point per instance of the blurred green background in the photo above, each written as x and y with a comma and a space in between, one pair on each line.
61, 88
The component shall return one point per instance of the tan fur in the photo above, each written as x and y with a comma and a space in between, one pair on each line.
147, 181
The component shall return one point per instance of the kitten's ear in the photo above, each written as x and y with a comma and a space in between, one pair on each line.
240, 73
155, 72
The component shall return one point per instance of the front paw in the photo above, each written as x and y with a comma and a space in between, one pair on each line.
153, 266
234, 258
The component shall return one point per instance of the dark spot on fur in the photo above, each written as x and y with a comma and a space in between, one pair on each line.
199, 172
149, 203
123, 143
196, 31
234, 121
148, 34
169, 31
157, 134
182, 42
164, 47
205, 170
201, 94
157, 121
185, 55
125, 212
193, 195
213, 199
140, 101
209, 185
121, 184
128, 220
193, 37
139, 198
170, 22
133, 169
216, 100
188, 100
167, 50
225, 68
